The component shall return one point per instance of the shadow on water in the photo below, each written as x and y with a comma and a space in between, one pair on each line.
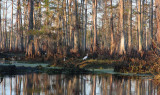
60, 84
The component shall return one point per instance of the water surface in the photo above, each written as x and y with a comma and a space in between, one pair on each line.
106, 84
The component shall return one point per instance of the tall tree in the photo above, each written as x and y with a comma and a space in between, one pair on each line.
85, 30
151, 18
121, 28
70, 23
129, 25
30, 49
139, 27
11, 28
111, 29
76, 26
95, 24
5, 39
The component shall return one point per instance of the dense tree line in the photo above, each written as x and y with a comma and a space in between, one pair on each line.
78, 26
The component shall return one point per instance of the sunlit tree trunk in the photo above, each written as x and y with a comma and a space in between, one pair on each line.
37, 20
95, 24
129, 26
121, 28
139, 27
111, 30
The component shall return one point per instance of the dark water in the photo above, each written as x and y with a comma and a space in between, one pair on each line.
106, 84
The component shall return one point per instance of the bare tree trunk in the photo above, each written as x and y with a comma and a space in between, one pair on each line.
70, 24
111, 30
58, 28
30, 49
130, 26
66, 17
6, 40
121, 28
25, 23
139, 27
3, 33
76, 27
151, 18
17, 26
82, 23
11, 35
20, 32
85, 31
95, 25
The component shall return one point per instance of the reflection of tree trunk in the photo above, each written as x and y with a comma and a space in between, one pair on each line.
103, 86
2, 87
69, 89
150, 88
94, 85
110, 85
58, 85
84, 85
29, 83
11, 86
138, 92
121, 87
77, 86
129, 87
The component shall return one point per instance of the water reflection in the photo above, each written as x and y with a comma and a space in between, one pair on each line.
43, 84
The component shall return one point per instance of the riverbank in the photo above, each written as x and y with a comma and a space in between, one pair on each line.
149, 63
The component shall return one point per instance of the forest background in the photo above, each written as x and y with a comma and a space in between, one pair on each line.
102, 28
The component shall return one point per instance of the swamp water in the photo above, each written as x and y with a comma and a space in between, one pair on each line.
101, 84
106, 82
